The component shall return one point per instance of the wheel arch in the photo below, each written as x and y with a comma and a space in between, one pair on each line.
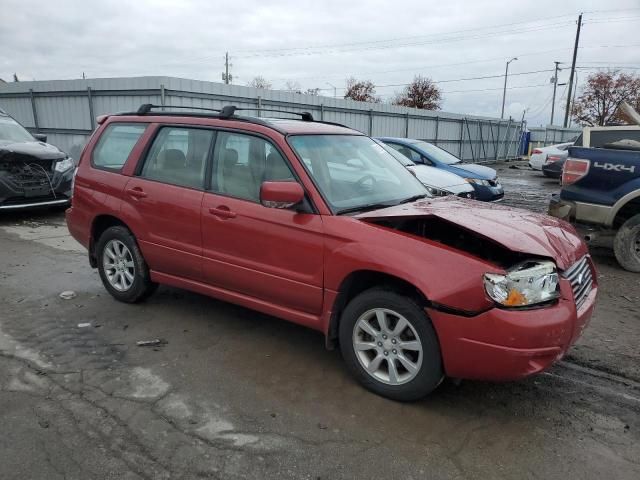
357, 282
98, 226
622, 206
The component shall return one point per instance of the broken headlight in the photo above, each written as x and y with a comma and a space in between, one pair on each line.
437, 192
526, 284
64, 165
478, 181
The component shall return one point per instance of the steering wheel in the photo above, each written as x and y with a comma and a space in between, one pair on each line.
360, 184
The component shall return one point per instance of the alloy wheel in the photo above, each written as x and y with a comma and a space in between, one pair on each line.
118, 264
387, 346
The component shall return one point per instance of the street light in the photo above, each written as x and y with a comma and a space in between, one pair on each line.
504, 92
335, 89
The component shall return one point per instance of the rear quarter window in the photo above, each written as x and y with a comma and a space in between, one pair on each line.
115, 145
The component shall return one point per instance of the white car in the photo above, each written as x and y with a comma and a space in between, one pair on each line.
555, 152
439, 182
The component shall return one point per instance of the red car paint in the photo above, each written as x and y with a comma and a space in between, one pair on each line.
293, 265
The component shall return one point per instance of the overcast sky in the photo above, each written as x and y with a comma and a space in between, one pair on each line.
320, 43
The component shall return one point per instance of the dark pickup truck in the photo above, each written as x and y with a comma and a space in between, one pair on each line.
601, 195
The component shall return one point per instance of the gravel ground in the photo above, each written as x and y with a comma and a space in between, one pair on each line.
236, 394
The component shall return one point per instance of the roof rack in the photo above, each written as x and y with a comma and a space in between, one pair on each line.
227, 112
147, 107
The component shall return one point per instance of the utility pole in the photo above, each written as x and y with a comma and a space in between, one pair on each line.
504, 91
226, 77
573, 71
555, 86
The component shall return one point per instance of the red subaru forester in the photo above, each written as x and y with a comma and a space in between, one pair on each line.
318, 224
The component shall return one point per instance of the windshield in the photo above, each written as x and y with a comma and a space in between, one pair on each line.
354, 172
437, 153
11, 131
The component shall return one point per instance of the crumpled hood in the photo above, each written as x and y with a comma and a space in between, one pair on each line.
518, 230
474, 171
39, 150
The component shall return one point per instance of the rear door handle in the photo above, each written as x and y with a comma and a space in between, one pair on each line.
222, 212
136, 192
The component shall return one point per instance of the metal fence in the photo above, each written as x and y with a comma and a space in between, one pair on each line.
65, 110
551, 135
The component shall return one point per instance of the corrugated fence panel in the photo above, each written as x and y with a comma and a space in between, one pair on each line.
551, 135
69, 143
65, 108
63, 112
20, 109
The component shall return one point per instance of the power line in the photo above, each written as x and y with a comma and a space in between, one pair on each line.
466, 79
400, 45
496, 89
370, 42
425, 67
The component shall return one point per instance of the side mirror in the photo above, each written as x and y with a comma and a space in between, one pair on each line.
281, 194
41, 137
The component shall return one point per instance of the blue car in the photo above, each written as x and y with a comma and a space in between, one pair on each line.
483, 179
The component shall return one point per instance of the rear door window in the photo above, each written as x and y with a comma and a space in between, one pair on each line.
115, 145
602, 137
179, 156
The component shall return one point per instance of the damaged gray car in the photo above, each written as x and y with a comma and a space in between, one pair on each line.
32, 172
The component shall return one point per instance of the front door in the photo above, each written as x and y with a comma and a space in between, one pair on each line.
163, 202
269, 254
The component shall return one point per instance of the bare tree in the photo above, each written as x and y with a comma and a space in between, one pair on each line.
312, 91
260, 82
421, 93
293, 86
361, 90
15, 77
600, 97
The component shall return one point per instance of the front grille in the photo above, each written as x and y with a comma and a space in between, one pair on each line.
581, 279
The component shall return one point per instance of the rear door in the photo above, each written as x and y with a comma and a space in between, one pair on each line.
162, 202
265, 253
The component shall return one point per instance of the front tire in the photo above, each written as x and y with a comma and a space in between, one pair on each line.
626, 244
390, 346
122, 268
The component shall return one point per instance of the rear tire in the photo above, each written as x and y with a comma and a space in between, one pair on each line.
626, 244
122, 268
399, 360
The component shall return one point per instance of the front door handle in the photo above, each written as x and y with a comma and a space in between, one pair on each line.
222, 212
136, 192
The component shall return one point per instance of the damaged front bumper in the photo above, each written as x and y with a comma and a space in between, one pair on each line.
24, 186
506, 345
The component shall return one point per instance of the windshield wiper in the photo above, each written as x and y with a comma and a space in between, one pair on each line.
414, 198
364, 208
